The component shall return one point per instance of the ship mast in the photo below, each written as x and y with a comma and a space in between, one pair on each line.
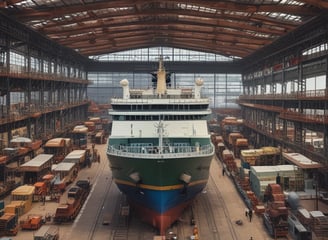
160, 131
161, 78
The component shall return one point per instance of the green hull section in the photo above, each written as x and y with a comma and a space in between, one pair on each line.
160, 172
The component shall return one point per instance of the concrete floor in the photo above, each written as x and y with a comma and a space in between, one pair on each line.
230, 210
236, 209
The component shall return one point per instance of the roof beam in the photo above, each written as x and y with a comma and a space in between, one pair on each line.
238, 26
236, 39
167, 12
153, 39
53, 12
222, 27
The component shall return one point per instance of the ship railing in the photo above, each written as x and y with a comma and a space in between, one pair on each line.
154, 151
151, 100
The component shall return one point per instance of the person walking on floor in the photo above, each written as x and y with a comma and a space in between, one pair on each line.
250, 214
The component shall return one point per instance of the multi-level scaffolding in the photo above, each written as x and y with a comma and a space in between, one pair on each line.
285, 98
43, 94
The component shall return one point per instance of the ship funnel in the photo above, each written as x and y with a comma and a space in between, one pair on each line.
126, 91
161, 78
198, 86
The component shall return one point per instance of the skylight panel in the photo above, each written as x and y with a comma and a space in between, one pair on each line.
262, 35
193, 18
316, 49
37, 24
120, 9
79, 14
288, 2
36, 3
235, 13
151, 54
208, 10
26, 3
80, 34
72, 25
112, 10
197, 8
285, 17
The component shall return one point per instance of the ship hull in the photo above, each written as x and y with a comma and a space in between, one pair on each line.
161, 194
159, 149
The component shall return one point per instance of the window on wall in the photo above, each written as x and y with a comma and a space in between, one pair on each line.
228, 88
17, 62
3, 59
316, 83
170, 54
45, 66
52, 67
220, 88
35, 64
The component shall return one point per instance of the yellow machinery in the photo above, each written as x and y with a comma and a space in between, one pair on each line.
21, 200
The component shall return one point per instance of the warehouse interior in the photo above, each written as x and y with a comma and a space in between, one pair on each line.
264, 62
48, 50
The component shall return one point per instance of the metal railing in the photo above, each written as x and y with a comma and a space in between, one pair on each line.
168, 151
22, 72
306, 95
153, 99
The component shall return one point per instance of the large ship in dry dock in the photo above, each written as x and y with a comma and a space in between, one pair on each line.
160, 149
